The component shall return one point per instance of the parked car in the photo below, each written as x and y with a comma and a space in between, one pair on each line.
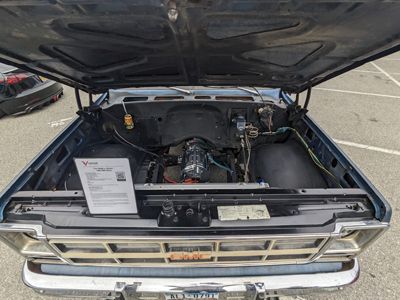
195, 174
22, 91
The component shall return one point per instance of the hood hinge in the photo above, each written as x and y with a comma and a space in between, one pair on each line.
89, 113
296, 111
79, 101
306, 102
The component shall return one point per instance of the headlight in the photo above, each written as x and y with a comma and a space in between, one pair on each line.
351, 242
26, 244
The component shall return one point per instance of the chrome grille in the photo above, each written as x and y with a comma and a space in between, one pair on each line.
147, 252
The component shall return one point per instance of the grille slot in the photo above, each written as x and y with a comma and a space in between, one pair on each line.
81, 248
196, 252
296, 244
243, 246
93, 261
135, 248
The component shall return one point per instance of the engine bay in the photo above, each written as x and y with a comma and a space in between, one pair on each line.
209, 142
196, 163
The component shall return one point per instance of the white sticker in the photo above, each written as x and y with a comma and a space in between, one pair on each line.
107, 184
243, 212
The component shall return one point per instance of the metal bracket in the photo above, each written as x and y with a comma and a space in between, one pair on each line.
128, 291
295, 110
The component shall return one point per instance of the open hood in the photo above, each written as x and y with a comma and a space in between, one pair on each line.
96, 45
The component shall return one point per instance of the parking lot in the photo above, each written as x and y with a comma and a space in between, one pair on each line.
360, 110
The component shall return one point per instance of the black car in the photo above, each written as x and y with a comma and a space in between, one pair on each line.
22, 91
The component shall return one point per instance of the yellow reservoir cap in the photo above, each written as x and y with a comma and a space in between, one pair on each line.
128, 121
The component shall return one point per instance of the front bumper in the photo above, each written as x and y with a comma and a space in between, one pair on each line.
236, 288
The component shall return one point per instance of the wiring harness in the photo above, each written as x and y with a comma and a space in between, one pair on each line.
252, 132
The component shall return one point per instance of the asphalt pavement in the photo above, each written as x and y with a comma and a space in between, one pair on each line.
360, 110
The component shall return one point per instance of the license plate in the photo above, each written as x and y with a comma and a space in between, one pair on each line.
192, 296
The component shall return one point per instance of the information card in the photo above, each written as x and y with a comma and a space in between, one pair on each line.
107, 184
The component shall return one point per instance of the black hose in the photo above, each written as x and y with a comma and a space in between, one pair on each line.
120, 138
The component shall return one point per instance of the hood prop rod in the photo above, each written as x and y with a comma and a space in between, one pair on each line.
296, 102
78, 99
307, 98
91, 99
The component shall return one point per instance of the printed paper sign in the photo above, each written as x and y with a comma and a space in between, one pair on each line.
107, 184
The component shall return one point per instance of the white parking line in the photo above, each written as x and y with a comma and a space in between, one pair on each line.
368, 147
366, 71
373, 72
356, 93
59, 122
386, 74
389, 59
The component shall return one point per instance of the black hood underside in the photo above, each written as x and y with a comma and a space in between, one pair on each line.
98, 45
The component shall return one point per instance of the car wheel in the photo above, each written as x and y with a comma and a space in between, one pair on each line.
2, 113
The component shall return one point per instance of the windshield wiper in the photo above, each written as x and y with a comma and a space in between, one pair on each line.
188, 92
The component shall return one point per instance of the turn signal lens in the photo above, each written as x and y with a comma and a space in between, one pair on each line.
353, 241
26, 244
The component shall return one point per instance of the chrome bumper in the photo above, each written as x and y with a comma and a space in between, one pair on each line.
236, 288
